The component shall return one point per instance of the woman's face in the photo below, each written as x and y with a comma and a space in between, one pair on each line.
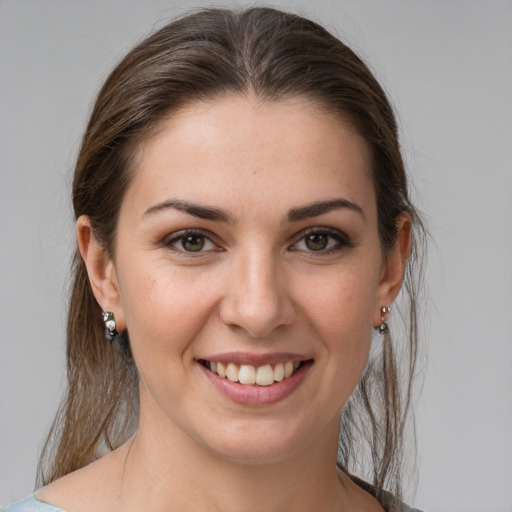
248, 244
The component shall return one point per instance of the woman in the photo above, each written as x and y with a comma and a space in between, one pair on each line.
243, 228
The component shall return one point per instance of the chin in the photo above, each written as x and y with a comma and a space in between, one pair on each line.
258, 444
255, 455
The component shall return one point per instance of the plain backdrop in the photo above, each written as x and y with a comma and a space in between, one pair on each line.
447, 66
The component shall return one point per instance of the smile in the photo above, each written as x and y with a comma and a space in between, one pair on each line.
250, 375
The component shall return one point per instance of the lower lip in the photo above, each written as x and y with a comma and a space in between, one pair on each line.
257, 395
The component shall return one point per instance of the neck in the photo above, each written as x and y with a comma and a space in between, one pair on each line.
180, 474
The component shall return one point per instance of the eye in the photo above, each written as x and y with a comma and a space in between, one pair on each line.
317, 241
322, 240
191, 241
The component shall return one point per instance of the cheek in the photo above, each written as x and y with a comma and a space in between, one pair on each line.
340, 310
343, 299
164, 308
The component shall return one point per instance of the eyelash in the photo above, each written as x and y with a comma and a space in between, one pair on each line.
340, 238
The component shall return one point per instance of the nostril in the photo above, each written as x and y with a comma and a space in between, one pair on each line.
257, 318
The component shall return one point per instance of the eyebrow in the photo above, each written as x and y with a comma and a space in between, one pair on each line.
201, 212
215, 214
320, 207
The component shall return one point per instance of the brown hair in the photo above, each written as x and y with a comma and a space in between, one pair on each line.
273, 55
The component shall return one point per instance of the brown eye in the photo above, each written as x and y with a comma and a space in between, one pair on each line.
317, 241
193, 243
323, 241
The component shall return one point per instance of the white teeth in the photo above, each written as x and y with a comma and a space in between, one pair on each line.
232, 372
248, 374
279, 372
265, 375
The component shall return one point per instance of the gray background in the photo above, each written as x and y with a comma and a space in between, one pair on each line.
448, 68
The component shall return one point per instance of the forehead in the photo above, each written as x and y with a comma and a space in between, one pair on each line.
287, 151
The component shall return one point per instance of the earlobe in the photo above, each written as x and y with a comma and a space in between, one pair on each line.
100, 269
394, 266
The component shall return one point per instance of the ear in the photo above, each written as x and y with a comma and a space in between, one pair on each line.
394, 265
101, 271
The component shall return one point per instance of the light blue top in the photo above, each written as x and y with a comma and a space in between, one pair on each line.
31, 504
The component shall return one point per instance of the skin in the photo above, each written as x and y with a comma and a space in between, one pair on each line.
255, 287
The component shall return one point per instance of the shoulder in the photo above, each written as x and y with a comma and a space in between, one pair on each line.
92, 487
386, 499
391, 504
30, 504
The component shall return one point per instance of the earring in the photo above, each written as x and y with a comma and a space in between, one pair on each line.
383, 327
110, 325
119, 340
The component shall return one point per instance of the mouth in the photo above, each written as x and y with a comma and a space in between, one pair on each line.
251, 375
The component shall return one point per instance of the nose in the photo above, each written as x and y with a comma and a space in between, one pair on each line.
258, 299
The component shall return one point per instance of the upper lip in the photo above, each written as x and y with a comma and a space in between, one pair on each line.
255, 359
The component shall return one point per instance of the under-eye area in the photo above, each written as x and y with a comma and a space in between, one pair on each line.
250, 375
